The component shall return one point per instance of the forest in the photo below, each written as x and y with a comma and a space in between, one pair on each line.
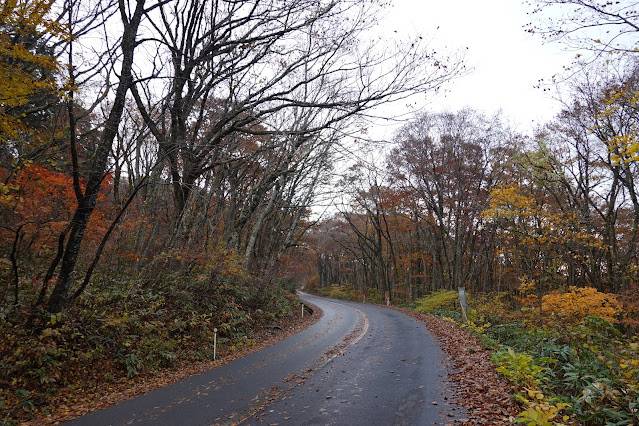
164, 163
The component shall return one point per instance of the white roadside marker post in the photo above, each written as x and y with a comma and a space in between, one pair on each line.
214, 343
302, 310
463, 303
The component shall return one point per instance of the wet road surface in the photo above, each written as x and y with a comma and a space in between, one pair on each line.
358, 365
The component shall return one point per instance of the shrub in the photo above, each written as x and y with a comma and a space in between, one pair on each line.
495, 308
580, 364
540, 410
129, 328
578, 303
519, 368
589, 365
440, 300
344, 292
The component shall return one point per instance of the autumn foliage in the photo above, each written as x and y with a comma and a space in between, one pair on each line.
543, 236
140, 211
39, 202
24, 73
573, 306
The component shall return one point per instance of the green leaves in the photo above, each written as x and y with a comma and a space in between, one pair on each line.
520, 368
588, 370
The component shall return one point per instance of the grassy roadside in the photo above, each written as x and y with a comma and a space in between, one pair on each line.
571, 364
126, 340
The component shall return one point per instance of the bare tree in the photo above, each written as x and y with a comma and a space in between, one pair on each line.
450, 162
598, 26
598, 177
234, 67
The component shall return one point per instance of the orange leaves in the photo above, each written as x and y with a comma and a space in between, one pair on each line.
43, 201
39, 202
571, 307
43, 196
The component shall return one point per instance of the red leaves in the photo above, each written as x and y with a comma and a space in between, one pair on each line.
43, 201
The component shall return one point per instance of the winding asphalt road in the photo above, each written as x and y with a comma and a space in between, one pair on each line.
358, 365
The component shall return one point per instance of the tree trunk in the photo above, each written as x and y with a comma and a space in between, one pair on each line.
86, 205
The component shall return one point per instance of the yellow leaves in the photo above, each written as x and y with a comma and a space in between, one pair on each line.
508, 201
569, 308
535, 394
18, 82
539, 411
28, 17
479, 329
623, 147
117, 321
7, 192
526, 285
519, 368
55, 318
536, 223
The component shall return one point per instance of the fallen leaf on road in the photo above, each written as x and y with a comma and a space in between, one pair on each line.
478, 388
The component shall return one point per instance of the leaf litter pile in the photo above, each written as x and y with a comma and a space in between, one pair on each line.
477, 386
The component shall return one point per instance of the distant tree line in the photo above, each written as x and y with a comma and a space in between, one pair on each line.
463, 200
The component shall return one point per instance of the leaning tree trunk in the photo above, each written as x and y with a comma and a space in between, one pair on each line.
86, 204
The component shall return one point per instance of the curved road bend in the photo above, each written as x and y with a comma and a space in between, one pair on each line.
358, 365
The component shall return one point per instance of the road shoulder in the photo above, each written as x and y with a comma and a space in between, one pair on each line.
475, 383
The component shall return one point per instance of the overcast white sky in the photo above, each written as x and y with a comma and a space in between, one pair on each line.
508, 62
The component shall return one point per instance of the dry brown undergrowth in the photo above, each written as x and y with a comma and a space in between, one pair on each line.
70, 406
